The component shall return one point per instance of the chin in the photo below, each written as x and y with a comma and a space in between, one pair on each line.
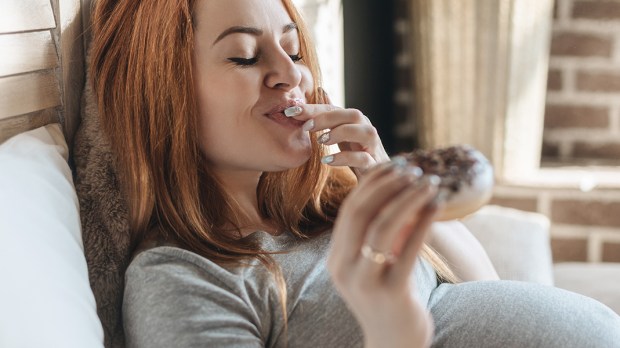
299, 153
291, 162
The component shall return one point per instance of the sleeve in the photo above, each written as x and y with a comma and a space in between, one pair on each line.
170, 302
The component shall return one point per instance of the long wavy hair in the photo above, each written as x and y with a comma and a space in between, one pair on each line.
143, 78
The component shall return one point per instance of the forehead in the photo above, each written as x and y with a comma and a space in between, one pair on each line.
214, 16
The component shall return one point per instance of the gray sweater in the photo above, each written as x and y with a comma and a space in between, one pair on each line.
176, 298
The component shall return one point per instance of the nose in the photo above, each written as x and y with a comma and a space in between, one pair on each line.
282, 73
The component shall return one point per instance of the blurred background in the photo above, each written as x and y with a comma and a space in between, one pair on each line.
534, 84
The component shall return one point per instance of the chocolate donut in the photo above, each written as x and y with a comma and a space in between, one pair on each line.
466, 177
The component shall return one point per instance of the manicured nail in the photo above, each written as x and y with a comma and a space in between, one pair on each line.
399, 161
327, 159
427, 181
308, 126
440, 198
416, 172
323, 138
293, 111
433, 180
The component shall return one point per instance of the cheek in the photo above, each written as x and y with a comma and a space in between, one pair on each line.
223, 90
210, 127
224, 101
225, 96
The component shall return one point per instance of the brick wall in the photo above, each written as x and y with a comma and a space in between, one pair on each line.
585, 225
582, 121
582, 125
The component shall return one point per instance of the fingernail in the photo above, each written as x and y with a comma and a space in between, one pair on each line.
440, 197
433, 180
428, 181
399, 161
293, 111
323, 138
327, 159
416, 171
308, 126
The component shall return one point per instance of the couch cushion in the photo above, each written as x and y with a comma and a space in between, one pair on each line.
517, 242
45, 297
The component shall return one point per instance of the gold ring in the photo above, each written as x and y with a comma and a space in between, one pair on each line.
377, 256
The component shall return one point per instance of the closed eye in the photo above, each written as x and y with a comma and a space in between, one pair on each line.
244, 61
252, 61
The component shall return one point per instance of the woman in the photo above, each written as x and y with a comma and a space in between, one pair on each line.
218, 124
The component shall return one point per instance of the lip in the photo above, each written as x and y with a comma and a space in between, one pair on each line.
276, 114
279, 108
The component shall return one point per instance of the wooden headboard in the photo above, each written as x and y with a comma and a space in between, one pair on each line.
41, 65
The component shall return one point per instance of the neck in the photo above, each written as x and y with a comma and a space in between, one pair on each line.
242, 187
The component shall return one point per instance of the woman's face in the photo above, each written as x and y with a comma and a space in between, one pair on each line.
247, 71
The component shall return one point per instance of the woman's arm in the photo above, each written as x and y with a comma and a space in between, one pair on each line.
464, 254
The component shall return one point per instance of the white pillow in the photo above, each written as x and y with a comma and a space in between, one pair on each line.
45, 296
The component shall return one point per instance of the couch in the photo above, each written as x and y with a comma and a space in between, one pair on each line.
518, 244
45, 279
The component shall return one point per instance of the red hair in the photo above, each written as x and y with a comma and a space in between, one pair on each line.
142, 75
141, 66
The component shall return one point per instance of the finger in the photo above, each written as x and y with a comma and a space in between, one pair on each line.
334, 118
309, 111
360, 207
325, 116
365, 135
353, 159
411, 250
379, 170
402, 211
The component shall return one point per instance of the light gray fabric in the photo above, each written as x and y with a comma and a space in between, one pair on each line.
517, 242
175, 298
520, 314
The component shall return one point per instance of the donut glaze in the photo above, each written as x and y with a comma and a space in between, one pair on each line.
466, 177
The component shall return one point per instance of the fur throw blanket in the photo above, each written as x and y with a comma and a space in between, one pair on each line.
104, 219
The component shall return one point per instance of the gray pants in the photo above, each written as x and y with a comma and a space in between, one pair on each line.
516, 314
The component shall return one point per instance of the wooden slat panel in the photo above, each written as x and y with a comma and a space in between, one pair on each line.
23, 94
15, 125
20, 53
25, 15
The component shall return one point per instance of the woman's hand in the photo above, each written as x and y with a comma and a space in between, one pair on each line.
376, 240
358, 141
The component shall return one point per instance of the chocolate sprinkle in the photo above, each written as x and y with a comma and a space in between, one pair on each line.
455, 165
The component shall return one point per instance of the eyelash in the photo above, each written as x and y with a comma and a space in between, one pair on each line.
246, 62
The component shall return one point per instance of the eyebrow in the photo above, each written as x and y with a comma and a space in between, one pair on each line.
250, 30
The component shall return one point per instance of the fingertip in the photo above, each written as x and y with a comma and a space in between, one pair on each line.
293, 111
328, 159
308, 126
435, 207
